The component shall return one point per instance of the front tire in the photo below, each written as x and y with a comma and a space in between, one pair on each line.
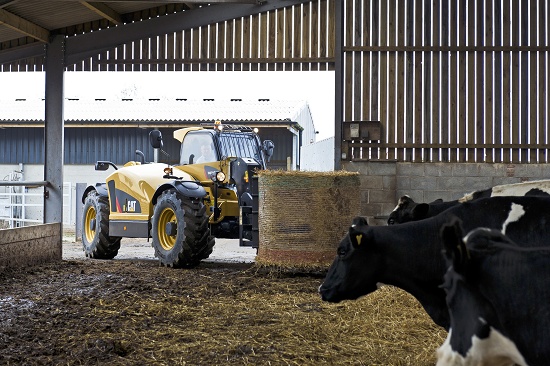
96, 241
180, 232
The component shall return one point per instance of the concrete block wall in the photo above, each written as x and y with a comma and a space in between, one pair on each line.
382, 183
378, 186
28, 246
426, 182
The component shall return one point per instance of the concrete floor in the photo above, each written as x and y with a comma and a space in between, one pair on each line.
225, 250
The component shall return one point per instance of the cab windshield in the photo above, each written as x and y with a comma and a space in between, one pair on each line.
241, 145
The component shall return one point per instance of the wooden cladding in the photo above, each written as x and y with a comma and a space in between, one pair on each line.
457, 80
449, 80
295, 38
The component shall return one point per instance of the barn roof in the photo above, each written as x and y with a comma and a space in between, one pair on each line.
139, 111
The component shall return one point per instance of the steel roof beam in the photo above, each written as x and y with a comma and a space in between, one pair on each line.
24, 26
87, 45
104, 11
4, 3
36, 49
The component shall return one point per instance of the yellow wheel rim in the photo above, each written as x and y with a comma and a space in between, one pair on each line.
166, 241
88, 231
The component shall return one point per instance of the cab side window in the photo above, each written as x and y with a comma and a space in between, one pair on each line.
197, 148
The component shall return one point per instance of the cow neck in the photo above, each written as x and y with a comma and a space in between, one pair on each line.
413, 262
411, 251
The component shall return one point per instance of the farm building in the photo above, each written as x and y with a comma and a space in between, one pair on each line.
432, 99
100, 129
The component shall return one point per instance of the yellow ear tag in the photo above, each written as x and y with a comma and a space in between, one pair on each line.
358, 238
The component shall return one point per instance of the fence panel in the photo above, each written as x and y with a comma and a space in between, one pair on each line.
24, 205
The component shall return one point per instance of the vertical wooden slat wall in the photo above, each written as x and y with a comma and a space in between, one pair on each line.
297, 38
450, 80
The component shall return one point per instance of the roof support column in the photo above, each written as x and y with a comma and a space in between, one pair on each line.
53, 131
338, 82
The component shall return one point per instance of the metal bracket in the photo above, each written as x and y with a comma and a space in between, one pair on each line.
362, 130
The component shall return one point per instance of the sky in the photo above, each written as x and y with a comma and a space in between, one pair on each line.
314, 87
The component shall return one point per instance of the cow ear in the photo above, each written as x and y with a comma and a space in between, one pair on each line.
454, 248
358, 230
420, 211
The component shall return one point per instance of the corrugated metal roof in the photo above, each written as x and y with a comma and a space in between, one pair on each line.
8, 33
156, 110
125, 7
55, 15
58, 14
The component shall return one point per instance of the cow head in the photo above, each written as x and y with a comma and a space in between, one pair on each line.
408, 210
349, 275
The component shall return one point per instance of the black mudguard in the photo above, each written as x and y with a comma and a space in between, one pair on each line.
186, 188
101, 189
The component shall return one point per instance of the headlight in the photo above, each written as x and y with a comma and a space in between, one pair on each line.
217, 176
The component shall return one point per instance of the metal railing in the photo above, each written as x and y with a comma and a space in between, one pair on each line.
22, 204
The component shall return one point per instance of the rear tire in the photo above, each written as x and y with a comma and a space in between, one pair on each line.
180, 232
96, 241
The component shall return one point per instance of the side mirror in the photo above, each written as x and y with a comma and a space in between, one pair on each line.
155, 139
141, 155
267, 147
104, 165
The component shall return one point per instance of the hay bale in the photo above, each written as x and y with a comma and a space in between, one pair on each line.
304, 215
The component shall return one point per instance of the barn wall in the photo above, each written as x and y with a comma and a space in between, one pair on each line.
31, 245
295, 38
284, 146
88, 145
312, 155
382, 183
81, 145
458, 81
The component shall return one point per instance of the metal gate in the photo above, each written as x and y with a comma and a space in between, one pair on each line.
24, 205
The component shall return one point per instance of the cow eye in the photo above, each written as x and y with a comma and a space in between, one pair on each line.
341, 252
391, 221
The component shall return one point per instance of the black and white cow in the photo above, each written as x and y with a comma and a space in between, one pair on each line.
409, 210
409, 255
498, 296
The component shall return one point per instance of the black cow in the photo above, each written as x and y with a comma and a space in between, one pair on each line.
409, 255
409, 210
498, 296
